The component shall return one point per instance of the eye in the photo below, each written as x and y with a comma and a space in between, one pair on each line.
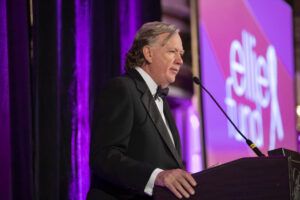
181, 53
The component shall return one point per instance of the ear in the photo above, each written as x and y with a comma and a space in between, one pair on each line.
147, 51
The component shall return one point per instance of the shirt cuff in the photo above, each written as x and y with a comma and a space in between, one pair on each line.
150, 184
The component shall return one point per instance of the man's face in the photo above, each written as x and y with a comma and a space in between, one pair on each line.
166, 59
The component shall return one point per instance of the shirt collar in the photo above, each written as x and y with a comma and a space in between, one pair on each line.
149, 81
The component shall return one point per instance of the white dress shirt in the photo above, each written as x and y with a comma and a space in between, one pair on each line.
159, 102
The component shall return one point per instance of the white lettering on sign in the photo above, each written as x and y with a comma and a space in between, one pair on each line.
253, 77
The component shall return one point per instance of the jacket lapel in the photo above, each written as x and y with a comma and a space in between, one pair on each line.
172, 126
153, 111
154, 114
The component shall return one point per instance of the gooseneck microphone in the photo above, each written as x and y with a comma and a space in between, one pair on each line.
249, 142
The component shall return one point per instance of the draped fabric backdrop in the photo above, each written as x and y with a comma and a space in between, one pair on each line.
16, 106
55, 56
5, 153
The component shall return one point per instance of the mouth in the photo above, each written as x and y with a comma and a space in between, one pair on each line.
175, 70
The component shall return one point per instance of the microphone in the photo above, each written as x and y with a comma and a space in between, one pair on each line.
249, 142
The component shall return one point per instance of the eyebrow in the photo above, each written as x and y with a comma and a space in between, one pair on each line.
180, 51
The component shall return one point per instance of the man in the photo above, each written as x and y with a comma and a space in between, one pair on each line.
135, 144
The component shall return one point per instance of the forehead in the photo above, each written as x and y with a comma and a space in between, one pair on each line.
164, 40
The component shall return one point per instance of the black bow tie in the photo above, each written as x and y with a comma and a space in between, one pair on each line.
161, 92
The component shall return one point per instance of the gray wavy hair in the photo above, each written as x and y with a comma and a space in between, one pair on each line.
147, 35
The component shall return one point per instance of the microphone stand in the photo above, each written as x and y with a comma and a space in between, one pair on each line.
249, 142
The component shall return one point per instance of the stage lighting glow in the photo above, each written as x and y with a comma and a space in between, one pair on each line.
298, 110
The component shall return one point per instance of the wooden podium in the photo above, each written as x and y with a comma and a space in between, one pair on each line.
260, 178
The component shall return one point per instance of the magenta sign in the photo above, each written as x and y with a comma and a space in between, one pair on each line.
246, 49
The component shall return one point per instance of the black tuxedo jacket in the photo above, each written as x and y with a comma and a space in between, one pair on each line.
129, 140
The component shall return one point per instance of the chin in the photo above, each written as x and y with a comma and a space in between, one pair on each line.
172, 79
170, 82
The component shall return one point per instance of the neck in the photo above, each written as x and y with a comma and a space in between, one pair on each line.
147, 69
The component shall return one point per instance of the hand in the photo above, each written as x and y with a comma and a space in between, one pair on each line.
177, 181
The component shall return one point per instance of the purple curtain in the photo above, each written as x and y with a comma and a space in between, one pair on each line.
15, 103
54, 59
5, 153
133, 14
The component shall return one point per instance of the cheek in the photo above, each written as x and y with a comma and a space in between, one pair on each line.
163, 65
167, 63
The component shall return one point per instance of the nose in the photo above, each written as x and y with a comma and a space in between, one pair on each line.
179, 59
